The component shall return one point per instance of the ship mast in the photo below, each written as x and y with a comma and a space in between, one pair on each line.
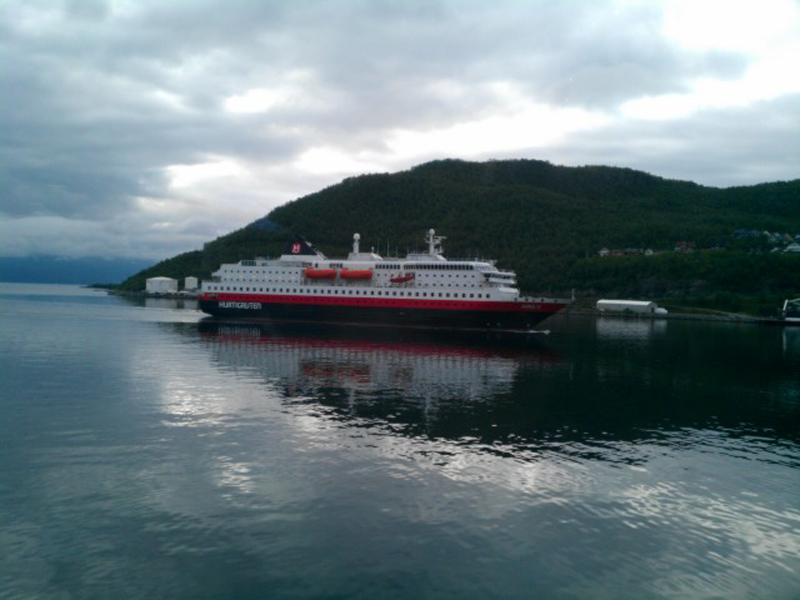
434, 242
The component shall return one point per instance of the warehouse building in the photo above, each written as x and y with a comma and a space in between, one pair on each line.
632, 307
161, 285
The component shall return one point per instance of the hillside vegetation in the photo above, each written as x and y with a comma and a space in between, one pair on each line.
547, 223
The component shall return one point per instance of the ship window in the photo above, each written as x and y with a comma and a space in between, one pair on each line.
472, 295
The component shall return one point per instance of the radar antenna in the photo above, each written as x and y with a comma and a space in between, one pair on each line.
434, 242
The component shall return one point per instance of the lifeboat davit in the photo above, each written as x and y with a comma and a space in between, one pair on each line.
356, 274
320, 273
402, 278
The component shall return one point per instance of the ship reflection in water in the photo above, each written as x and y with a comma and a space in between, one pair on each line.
377, 377
589, 391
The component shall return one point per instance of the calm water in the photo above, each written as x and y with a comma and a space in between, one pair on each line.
146, 453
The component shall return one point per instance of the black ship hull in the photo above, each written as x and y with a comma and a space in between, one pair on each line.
388, 316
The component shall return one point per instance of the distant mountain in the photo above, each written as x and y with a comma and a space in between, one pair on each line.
547, 222
51, 269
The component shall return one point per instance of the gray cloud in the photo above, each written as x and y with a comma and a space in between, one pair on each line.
761, 141
102, 97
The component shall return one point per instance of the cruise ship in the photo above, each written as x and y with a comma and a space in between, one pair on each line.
422, 290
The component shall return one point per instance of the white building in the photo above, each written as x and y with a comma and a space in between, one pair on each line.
190, 283
162, 285
638, 307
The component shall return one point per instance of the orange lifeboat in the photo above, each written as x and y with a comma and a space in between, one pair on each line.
402, 278
320, 273
356, 274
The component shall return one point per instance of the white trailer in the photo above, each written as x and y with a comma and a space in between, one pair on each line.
633, 307
161, 285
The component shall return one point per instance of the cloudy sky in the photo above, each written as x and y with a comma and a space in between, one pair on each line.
137, 128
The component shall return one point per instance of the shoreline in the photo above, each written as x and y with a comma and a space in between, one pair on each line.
567, 312
675, 316
687, 316
164, 296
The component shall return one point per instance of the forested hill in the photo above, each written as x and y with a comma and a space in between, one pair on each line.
547, 222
